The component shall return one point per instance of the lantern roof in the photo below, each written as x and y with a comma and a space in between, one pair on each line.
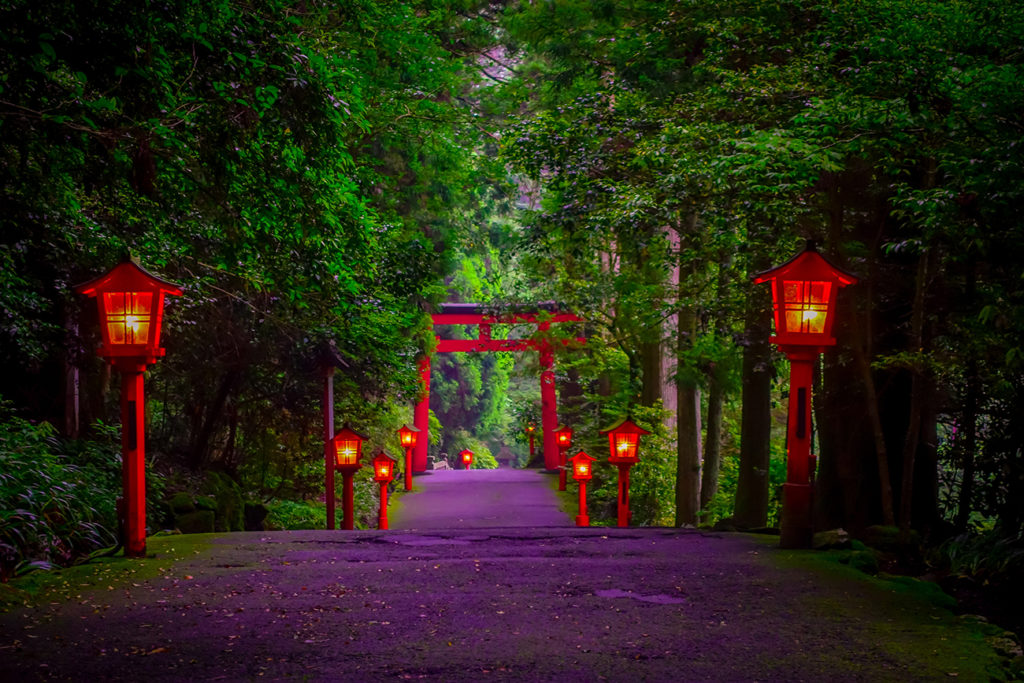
626, 426
581, 456
407, 428
563, 428
127, 276
808, 265
347, 431
382, 456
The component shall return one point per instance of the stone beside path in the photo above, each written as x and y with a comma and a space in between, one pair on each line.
464, 499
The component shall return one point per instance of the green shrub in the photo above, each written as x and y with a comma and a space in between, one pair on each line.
58, 498
291, 514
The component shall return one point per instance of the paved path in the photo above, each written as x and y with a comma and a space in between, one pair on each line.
483, 605
461, 499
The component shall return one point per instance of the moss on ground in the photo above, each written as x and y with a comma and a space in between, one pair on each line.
60, 585
912, 615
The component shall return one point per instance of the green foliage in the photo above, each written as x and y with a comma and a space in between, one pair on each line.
59, 497
462, 440
990, 557
293, 514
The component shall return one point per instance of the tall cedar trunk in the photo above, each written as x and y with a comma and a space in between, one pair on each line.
716, 395
203, 434
72, 376
650, 366
969, 419
751, 509
687, 432
917, 382
862, 354
712, 442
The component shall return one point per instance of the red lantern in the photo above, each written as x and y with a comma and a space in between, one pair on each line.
383, 473
407, 437
804, 298
131, 308
383, 467
582, 467
467, 458
623, 441
348, 447
582, 472
563, 437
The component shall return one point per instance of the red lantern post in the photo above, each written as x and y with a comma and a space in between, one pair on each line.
131, 307
804, 299
466, 457
407, 436
530, 429
348, 446
623, 442
383, 473
563, 436
582, 472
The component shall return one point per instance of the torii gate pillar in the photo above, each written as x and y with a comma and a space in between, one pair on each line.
421, 418
470, 314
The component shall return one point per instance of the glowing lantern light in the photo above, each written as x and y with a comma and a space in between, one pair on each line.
131, 308
130, 302
407, 437
383, 467
467, 458
623, 443
348, 447
383, 473
563, 437
804, 301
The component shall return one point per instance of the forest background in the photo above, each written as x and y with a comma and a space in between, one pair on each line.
324, 175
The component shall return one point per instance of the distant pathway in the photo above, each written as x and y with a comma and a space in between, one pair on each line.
461, 499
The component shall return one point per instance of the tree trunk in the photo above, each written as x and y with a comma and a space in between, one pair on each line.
751, 509
72, 376
969, 419
200, 446
687, 432
712, 442
650, 367
917, 382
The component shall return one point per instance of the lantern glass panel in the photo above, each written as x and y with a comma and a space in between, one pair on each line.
582, 469
625, 445
805, 305
348, 451
406, 437
129, 316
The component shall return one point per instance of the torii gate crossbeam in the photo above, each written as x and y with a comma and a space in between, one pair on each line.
472, 314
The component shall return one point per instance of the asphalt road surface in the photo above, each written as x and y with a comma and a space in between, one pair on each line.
461, 499
542, 602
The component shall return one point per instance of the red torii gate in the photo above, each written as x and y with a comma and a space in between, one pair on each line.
474, 314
